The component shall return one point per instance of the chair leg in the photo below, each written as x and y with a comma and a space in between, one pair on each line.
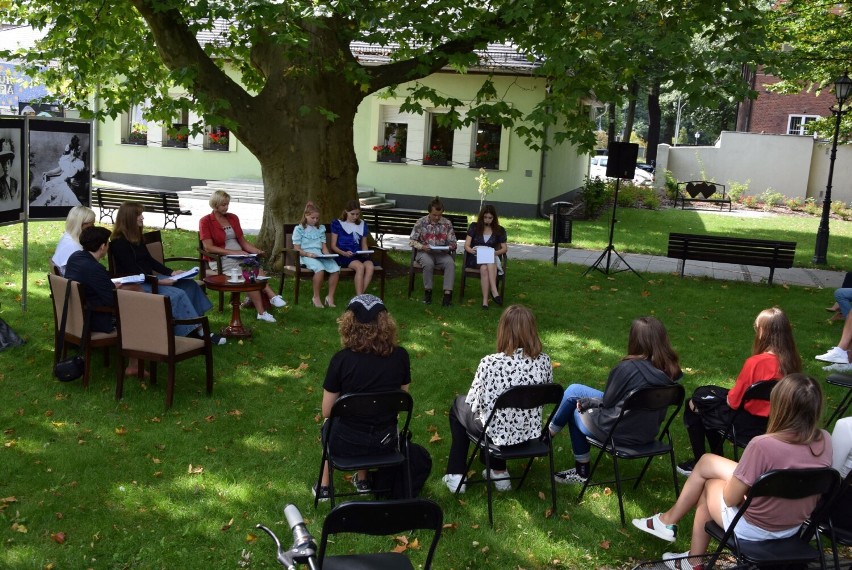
153, 370
618, 487
208, 364
119, 377
297, 281
526, 470
281, 284
552, 473
488, 487
170, 386
330, 483
87, 368
323, 461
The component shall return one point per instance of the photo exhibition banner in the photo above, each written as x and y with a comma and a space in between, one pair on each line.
12, 159
60, 172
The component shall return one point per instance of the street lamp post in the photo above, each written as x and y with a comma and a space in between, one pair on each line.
842, 87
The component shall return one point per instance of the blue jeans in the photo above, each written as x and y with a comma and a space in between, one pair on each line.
844, 300
188, 301
567, 414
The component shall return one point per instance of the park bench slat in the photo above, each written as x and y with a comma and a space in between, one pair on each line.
109, 200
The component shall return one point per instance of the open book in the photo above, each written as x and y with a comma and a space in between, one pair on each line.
239, 255
321, 255
129, 279
364, 251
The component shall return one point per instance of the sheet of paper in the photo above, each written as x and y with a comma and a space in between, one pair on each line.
239, 255
129, 279
364, 251
440, 247
327, 255
189, 274
484, 254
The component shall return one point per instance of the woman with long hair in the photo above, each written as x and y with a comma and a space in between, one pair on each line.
710, 408
717, 485
650, 361
486, 232
79, 217
371, 360
348, 237
310, 242
220, 232
519, 361
131, 257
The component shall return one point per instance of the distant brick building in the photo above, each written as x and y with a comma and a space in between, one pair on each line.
775, 113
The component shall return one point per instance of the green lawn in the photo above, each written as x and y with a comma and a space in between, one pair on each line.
646, 231
133, 486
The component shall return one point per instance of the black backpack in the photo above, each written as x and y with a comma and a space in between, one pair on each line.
394, 479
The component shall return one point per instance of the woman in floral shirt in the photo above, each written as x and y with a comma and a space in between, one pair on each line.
519, 361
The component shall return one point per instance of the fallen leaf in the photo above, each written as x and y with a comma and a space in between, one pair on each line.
555, 364
451, 525
541, 495
228, 524
251, 537
121, 430
548, 513
401, 539
607, 491
197, 470
604, 544
399, 548
156, 460
210, 418
645, 293
430, 412
484, 550
235, 413
19, 528
58, 537
595, 287
435, 438
59, 516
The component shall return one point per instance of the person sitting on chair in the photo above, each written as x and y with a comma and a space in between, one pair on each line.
650, 361
711, 408
434, 239
79, 218
486, 231
518, 361
717, 485
371, 360
84, 267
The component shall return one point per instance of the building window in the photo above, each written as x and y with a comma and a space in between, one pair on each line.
486, 146
439, 148
217, 138
134, 126
393, 146
176, 134
796, 124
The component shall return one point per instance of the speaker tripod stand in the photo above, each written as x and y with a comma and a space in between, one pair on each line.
610, 249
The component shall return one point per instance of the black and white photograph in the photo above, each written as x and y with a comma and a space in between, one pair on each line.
11, 170
60, 167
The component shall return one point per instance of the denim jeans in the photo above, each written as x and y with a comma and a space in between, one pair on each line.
188, 301
843, 296
567, 414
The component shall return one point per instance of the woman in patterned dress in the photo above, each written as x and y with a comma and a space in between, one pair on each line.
518, 361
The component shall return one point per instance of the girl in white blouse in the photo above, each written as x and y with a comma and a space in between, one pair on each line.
519, 361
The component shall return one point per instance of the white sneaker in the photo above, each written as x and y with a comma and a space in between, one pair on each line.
678, 560
836, 355
452, 481
266, 317
844, 368
277, 301
501, 480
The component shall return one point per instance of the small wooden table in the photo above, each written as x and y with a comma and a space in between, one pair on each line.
222, 283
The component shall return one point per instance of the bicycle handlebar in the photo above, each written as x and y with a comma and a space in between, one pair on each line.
304, 548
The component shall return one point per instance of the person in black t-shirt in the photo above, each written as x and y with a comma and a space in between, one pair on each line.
371, 361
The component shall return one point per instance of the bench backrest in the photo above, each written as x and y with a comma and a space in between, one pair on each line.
400, 222
726, 249
702, 188
159, 202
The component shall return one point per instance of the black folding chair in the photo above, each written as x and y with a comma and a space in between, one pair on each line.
838, 536
524, 397
844, 381
785, 484
757, 391
366, 405
380, 518
649, 400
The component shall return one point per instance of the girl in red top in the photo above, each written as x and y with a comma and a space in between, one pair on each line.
710, 408
220, 232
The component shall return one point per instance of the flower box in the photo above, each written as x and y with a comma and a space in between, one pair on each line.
137, 141
389, 158
486, 165
174, 143
436, 162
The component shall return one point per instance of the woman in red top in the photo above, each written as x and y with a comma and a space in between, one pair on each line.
220, 232
710, 408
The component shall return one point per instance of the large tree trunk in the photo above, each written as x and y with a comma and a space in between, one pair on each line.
654, 116
631, 112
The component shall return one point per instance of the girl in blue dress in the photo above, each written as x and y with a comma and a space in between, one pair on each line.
309, 241
349, 235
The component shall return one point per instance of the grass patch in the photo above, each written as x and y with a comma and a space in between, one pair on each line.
115, 477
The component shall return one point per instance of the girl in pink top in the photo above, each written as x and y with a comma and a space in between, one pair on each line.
717, 485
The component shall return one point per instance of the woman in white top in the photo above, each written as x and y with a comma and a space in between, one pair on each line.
841, 441
519, 361
78, 218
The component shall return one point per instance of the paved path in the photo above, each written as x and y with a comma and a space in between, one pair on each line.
250, 220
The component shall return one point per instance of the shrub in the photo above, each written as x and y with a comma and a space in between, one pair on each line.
595, 194
811, 207
838, 207
751, 201
736, 190
670, 185
651, 200
795, 204
771, 199
628, 194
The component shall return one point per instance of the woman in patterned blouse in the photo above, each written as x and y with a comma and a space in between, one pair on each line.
518, 361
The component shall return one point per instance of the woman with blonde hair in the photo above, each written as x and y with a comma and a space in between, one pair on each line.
131, 257
519, 361
371, 360
651, 361
717, 485
79, 217
710, 408
220, 232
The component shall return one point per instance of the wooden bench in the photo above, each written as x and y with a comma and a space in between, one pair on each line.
109, 200
724, 249
292, 267
400, 222
702, 191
